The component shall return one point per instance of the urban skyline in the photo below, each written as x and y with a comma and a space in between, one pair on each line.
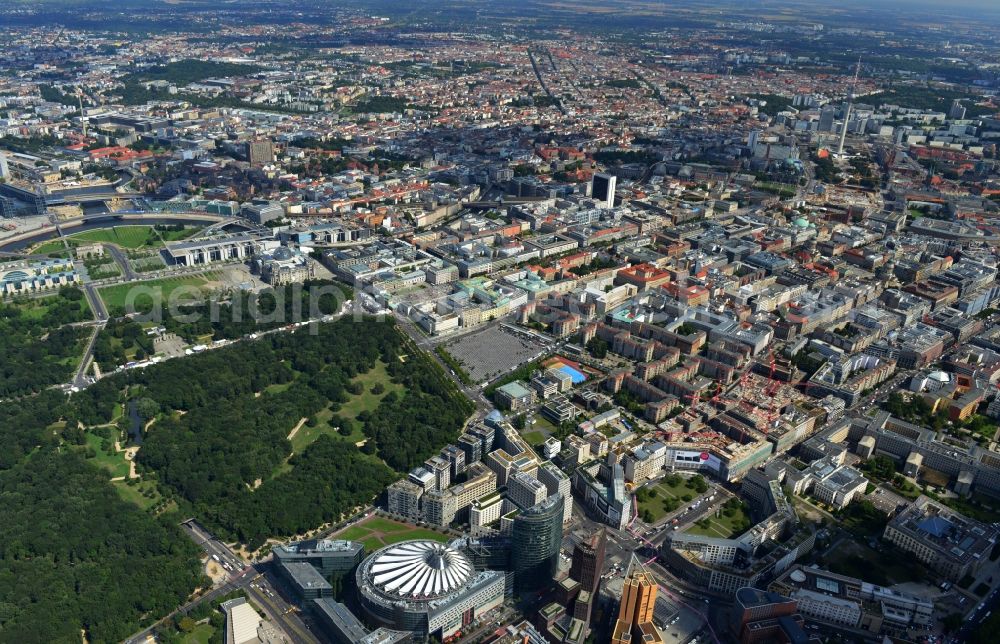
499, 322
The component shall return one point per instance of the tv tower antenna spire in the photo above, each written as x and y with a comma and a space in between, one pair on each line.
850, 104
83, 117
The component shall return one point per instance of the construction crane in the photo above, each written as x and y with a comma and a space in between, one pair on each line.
694, 397
774, 384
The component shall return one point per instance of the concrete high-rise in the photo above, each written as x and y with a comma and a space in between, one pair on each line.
635, 613
588, 561
957, 111
602, 189
827, 116
536, 537
260, 151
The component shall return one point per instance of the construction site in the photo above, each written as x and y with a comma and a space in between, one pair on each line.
734, 430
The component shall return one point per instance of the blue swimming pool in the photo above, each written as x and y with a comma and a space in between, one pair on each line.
573, 373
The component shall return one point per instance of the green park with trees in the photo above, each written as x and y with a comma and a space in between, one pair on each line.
87, 557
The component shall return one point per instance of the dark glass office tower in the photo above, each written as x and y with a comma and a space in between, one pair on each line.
535, 541
588, 560
602, 189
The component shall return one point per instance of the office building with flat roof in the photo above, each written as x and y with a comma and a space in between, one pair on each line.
305, 580
525, 490
602, 487
557, 482
950, 543
242, 621
762, 616
328, 556
514, 397
602, 189
851, 604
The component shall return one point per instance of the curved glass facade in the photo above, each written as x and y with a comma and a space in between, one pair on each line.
535, 541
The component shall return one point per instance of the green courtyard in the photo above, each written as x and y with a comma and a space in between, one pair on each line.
667, 495
728, 521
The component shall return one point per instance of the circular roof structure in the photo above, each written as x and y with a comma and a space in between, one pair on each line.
15, 276
801, 222
419, 569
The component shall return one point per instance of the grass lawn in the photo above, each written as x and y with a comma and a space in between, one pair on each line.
366, 400
534, 437
130, 352
35, 308
378, 532
415, 533
380, 524
278, 387
49, 247
306, 434
113, 462
136, 494
542, 425
373, 543
119, 412
115, 296
720, 525
354, 533
202, 634
669, 495
178, 235
124, 236
134, 236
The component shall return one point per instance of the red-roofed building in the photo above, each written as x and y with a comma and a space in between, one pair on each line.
693, 295
119, 154
577, 259
643, 276
547, 273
